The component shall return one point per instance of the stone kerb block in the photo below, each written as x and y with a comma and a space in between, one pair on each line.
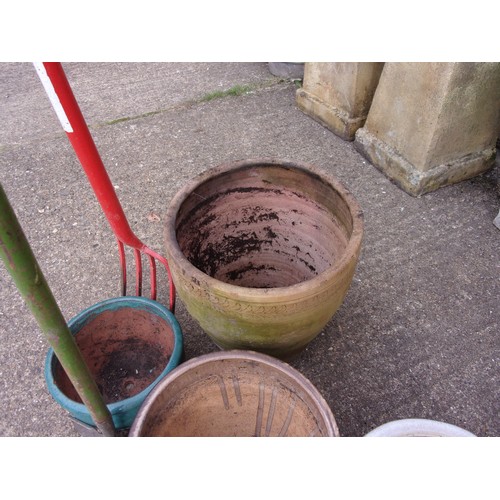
433, 124
338, 95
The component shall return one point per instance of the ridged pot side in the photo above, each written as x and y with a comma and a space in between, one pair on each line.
275, 245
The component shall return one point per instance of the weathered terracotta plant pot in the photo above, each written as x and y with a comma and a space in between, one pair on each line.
262, 252
234, 393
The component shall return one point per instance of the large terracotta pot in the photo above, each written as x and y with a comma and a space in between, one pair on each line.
262, 252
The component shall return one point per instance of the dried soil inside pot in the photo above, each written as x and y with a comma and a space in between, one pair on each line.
262, 231
125, 350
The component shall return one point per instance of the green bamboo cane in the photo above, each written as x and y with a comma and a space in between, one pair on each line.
21, 263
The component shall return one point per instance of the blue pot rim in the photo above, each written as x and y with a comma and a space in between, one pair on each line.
76, 324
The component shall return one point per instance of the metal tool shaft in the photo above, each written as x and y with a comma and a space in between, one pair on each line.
22, 265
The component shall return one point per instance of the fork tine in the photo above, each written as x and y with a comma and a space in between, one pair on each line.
153, 255
138, 272
123, 266
171, 287
152, 268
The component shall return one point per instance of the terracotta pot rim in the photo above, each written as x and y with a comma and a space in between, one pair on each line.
284, 293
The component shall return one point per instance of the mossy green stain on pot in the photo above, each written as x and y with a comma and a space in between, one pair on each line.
278, 328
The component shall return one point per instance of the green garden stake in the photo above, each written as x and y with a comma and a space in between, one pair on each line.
21, 264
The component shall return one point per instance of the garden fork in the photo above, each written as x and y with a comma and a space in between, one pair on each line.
66, 107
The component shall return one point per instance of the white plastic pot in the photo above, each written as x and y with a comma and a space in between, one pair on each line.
418, 427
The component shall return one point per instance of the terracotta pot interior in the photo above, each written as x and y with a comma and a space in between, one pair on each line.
264, 226
232, 398
125, 350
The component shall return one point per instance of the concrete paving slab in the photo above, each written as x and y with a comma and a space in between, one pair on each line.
417, 335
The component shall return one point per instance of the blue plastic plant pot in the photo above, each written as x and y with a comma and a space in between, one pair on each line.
129, 344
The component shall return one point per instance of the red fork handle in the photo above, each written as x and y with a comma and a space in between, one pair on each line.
64, 103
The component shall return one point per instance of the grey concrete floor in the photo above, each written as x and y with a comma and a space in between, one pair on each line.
417, 335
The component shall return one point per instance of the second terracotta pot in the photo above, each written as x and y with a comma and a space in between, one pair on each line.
262, 252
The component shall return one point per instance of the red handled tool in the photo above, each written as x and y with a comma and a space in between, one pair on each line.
66, 107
